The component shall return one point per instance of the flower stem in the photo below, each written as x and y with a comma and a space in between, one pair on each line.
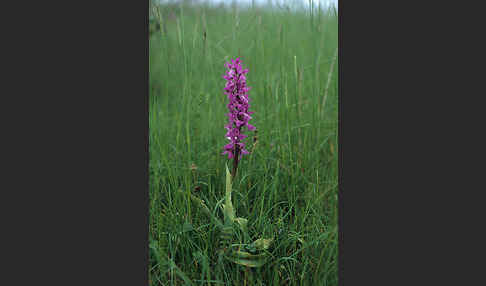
235, 161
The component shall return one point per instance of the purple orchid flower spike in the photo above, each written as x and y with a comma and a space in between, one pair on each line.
238, 115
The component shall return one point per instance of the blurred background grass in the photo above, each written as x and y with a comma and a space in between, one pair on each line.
287, 188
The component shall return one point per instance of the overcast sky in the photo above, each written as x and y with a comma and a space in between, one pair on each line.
305, 2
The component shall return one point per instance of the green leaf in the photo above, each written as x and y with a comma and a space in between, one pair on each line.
262, 244
246, 255
249, 262
243, 222
228, 210
228, 184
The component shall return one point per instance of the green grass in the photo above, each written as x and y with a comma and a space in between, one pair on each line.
287, 188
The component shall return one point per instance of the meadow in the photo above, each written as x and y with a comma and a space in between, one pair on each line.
287, 188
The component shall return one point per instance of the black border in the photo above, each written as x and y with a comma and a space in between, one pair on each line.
83, 94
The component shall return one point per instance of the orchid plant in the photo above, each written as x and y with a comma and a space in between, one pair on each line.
248, 254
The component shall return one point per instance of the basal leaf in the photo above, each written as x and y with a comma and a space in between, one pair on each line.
262, 244
229, 212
